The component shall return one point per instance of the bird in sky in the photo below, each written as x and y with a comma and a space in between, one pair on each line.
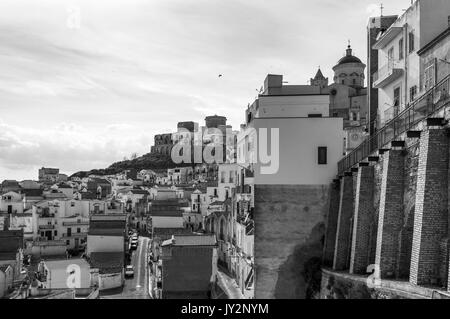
220, 75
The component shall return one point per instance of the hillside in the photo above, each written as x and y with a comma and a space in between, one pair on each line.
156, 162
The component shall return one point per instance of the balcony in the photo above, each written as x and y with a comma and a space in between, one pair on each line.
76, 223
46, 227
388, 73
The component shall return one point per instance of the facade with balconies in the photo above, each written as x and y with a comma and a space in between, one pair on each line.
390, 209
66, 220
399, 74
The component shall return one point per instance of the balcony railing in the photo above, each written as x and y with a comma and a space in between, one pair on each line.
424, 107
387, 73
75, 223
46, 227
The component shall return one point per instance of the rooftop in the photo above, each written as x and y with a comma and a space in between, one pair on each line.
191, 240
166, 213
11, 241
166, 233
64, 263
139, 192
107, 262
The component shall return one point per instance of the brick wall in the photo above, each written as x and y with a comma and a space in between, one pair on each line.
363, 218
390, 213
409, 198
343, 233
331, 225
430, 215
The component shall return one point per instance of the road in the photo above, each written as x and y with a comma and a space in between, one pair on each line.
136, 287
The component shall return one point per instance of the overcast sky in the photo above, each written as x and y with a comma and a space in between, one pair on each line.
85, 83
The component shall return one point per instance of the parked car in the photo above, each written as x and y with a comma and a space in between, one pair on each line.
129, 271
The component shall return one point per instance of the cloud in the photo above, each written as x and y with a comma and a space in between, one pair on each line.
67, 146
82, 98
373, 9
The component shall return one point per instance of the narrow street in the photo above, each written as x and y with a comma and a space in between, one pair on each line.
136, 287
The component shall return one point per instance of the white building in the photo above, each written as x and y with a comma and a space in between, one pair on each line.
398, 77
293, 147
11, 203
66, 220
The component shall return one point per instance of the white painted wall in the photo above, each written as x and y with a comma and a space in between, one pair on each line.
299, 139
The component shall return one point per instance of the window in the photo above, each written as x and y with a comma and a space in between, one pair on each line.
411, 41
335, 114
78, 230
322, 155
396, 97
67, 242
72, 204
391, 54
354, 81
56, 233
429, 75
400, 49
412, 92
342, 81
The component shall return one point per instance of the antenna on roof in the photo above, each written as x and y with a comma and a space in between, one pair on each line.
381, 9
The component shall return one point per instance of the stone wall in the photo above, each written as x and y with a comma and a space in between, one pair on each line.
337, 285
289, 237
400, 212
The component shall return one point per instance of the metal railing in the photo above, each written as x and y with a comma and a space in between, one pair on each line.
424, 107
81, 234
46, 227
386, 70
75, 223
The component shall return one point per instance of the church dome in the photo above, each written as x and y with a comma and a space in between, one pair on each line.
349, 58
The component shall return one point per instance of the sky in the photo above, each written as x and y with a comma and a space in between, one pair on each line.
86, 83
